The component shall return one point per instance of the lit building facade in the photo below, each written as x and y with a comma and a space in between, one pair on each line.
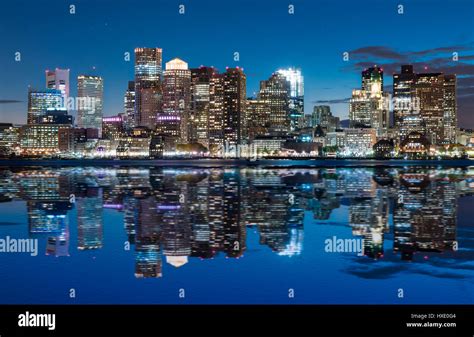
40, 101
216, 114
425, 103
129, 106
9, 139
59, 79
450, 116
296, 96
200, 103
369, 107
258, 118
112, 127
275, 92
430, 91
176, 100
90, 92
40, 139
148, 75
406, 109
359, 142
323, 117
234, 106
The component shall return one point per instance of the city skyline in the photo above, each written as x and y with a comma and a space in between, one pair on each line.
328, 78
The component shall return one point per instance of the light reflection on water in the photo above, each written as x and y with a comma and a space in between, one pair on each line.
172, 217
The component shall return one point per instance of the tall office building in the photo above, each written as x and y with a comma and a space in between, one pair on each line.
40, 101
372, 79
200, 102
227, 112
425, 103
322, 116
235, 89
369, 107
59, 79
174, 117
147, 76
296, 96
216, 113
90, 91
150, 106
129, 106
276, 93
450, 116
406, 108
258, 118
430, 91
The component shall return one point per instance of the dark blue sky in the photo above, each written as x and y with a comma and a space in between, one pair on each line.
263, 32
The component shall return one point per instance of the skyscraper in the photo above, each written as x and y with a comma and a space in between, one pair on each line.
406, 109
227, 111
276, 93
258, 118
430, 91
296, 96
372, 79
150, 106
450, 119
322, 116
176, 100
147, 76
40, 101
90, 91
129, 106
216, 113
425, 103
235, 89
200, 101
369, 107
59, 79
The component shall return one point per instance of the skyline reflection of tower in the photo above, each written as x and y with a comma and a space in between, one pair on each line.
89, 219
173, 210
424, 214
234, 230
274, 206
47, 194
148, 262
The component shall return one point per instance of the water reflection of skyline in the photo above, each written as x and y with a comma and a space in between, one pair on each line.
173, 215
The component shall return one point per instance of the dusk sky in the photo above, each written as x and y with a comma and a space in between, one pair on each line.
263, 32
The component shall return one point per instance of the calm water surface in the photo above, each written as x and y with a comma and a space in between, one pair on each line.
238, 235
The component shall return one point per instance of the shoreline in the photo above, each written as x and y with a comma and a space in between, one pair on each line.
237, 162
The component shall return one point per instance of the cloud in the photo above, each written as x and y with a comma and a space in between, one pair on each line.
386, 54
332, 101
9, 101
441, 50
378, 52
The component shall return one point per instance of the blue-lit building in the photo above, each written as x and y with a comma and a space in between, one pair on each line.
40, 101
296, 97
